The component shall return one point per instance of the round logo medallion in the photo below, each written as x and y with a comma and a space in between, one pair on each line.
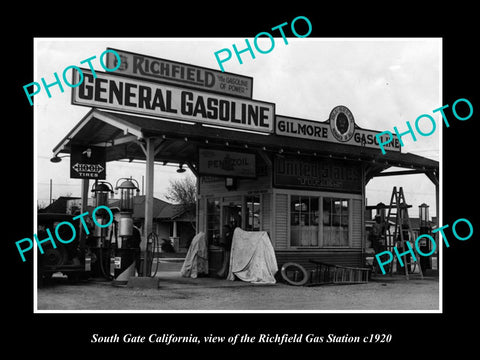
342, 123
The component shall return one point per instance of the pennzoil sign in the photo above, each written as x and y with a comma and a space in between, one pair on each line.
226, 163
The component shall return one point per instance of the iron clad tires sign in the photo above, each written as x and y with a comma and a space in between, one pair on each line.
114, 92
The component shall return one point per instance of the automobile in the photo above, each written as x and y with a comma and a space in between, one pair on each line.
64, 258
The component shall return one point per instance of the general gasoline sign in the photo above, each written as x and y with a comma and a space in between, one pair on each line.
120, 93
87, 162
177, 73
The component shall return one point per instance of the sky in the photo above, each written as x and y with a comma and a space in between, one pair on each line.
384, 82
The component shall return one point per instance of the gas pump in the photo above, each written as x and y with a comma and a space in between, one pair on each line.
126, 251
380, 217
97, 258
378, 236
424, 245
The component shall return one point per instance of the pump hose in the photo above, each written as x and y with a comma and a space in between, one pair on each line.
153, 237
102, 268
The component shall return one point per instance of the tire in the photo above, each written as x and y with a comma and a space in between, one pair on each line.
300, 268
54, 257
73, 278
43, 278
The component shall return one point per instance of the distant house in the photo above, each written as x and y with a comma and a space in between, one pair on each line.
414, 221
63, 205
170, 221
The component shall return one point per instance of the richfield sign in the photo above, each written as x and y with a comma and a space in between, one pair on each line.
115, 92
177, 73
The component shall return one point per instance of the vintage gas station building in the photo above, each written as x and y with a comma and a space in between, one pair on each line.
302, 181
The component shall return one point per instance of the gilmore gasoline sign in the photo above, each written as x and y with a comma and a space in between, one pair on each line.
339, 128
87, 162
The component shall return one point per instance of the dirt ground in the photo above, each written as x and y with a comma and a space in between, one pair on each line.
177, 293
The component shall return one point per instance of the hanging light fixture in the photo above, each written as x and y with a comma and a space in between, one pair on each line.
180, 169
57, 159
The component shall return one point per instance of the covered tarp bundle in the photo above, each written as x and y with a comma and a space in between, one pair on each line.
252, 257
196, 260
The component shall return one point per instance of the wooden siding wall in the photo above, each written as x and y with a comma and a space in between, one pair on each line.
216, 186
266, 212
202, 215
302, 257
281, 221
356, 223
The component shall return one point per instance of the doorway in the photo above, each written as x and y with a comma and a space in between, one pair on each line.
232, 212
224, 214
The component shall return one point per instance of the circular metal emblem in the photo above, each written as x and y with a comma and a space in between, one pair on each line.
342, 123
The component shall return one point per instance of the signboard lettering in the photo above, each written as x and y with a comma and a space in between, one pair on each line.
315, 130
87, 162
226, 163
177, 73
342, 124
317, 174
147, 98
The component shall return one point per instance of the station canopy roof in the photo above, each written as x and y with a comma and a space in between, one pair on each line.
122, 135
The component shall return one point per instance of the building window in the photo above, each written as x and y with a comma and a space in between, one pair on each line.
213, 221
304, 213
335, 222
252, 211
